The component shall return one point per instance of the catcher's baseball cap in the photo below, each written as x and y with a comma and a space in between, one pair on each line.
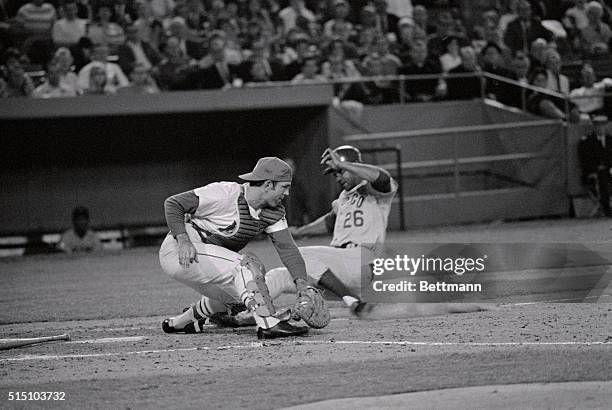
272, 168
346, 153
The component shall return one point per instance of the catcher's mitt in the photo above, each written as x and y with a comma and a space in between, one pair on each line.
311, 307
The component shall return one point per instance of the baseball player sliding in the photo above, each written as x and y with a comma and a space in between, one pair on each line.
202, 253
358, 221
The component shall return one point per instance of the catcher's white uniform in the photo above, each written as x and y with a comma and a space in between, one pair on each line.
224, 214
359, 233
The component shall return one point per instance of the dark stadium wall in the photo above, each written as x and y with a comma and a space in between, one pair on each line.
514, 171
123, 167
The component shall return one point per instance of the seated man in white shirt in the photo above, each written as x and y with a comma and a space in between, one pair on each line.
589, 98
68, 30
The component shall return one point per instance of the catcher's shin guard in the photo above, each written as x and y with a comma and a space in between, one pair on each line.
251, 282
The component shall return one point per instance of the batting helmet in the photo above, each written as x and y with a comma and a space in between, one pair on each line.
346, 153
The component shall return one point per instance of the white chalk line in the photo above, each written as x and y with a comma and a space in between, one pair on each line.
561, 300
304, 342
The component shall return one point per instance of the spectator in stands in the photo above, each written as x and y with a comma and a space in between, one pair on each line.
271, 66
257, 13
520, 68
136, 52
68, 78
120, 14
426, 89
575, 17
68, 30
142, 82
80, 238
390, 62
595, 155
513, 95
367, 18
215, 71
257, 73
174, 68
37, 18
522, 31
233, 49
452, 57
436, 44
17, 82
492, 63
98, 81
465, 88
190, 46
160, 9
149, 29
596, 35
589, 98
537, 53
385, 22
492, 35
291, 15
103, 31
402, 47
114, 75
52, 87
337, 67
341, 12
301, 51
81, 52
545, 105
309, 72
556, 81
574, 21
421, 20
509, 15
379, 91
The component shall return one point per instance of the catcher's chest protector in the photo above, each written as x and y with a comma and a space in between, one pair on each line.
248, 227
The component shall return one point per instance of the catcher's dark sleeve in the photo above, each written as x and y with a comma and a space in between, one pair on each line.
382, 183
289, 253
330, 221
175, 209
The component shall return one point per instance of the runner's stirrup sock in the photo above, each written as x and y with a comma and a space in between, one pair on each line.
333, 284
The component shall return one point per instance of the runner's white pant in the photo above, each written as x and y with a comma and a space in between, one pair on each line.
345, 263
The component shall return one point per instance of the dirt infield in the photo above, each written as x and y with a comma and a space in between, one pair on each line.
112, 305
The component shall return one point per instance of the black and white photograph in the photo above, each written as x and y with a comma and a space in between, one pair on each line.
306, 204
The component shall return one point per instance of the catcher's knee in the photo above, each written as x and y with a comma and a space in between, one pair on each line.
255, 295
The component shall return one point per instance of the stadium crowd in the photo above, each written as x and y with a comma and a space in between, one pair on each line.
66, 48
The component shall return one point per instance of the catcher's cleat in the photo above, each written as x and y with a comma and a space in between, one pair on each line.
361, 309
240, 319
197, 326
282, 329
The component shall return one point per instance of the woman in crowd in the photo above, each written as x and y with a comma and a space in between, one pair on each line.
546, 105
16, 82
68, 78
105, 31
98, 84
